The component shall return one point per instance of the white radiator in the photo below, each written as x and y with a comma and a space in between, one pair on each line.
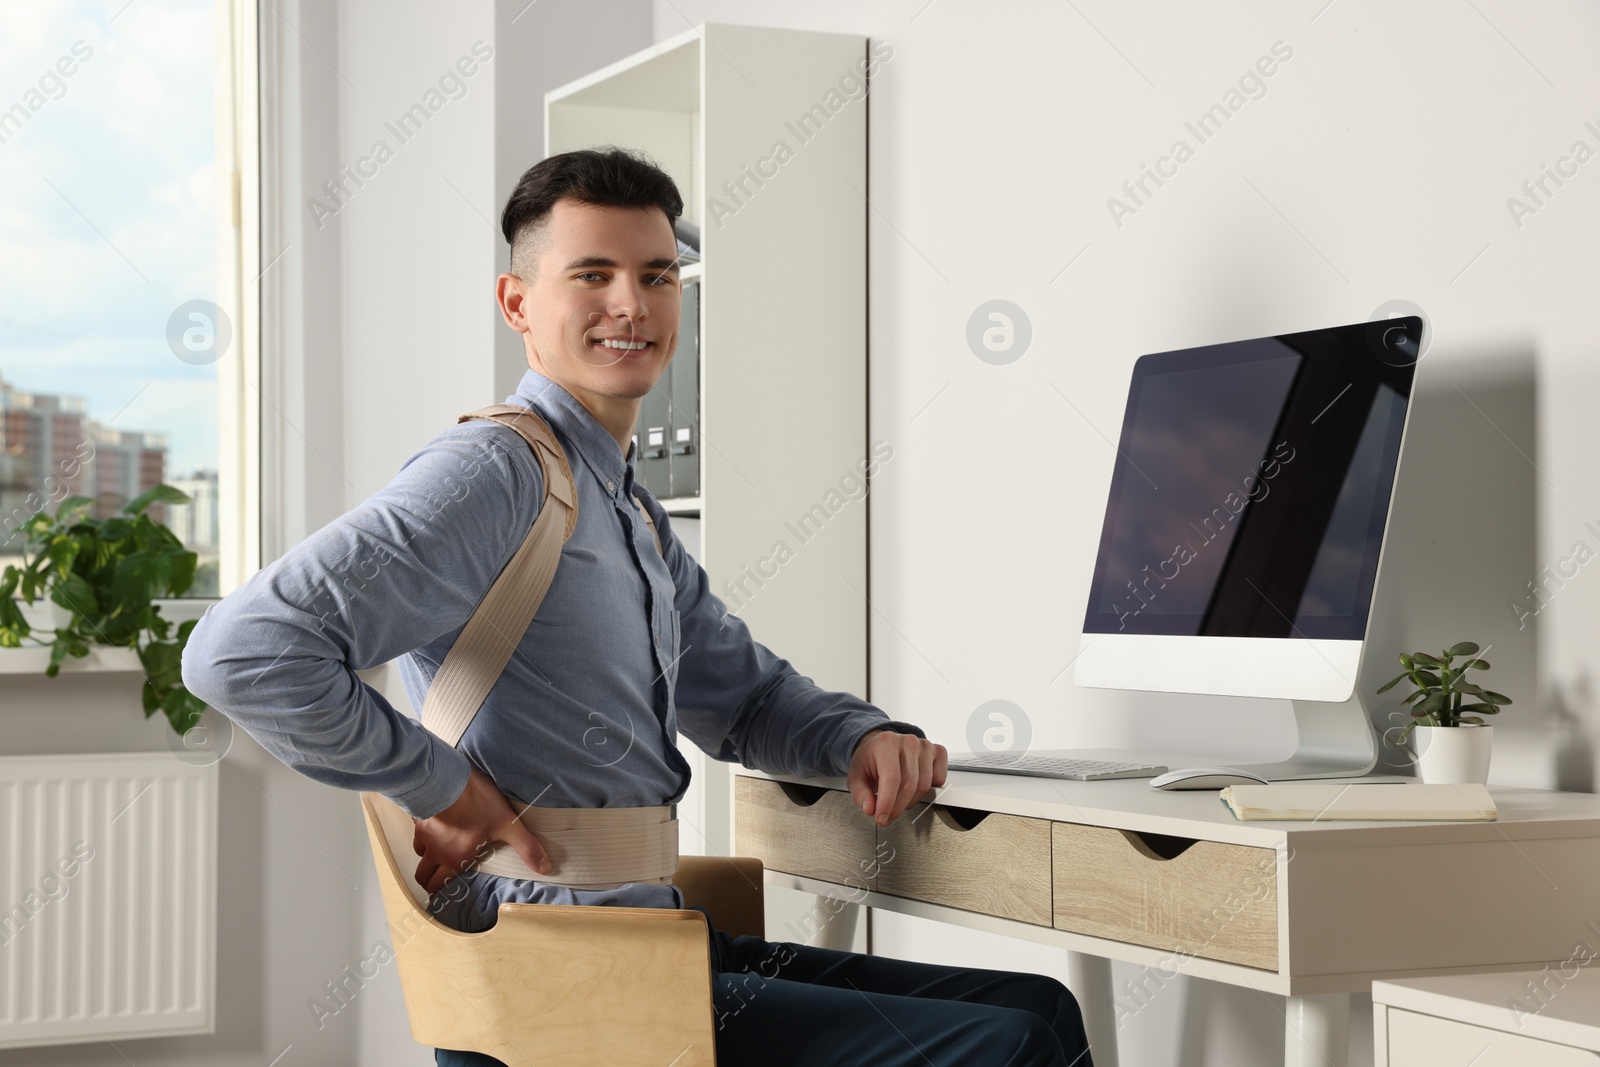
107, 897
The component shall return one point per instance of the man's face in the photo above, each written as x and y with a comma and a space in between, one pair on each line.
602, 311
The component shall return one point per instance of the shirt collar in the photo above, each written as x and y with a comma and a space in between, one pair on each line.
574, 423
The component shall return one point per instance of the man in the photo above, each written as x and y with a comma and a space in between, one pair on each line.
628, 644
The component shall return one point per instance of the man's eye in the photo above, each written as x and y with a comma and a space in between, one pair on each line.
586, 275
661, 279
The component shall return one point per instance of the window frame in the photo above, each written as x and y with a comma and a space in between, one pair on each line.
239, 150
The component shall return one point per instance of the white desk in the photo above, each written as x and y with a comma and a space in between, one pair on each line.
1172, 881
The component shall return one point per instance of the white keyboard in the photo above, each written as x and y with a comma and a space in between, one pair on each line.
1076, 770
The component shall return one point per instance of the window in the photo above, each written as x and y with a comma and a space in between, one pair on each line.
121, 337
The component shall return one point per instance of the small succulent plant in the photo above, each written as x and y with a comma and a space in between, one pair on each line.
1443, 696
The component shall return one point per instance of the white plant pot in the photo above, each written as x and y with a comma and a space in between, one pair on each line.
1453, 755
44, 616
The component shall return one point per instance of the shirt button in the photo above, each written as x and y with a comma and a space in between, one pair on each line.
611, 487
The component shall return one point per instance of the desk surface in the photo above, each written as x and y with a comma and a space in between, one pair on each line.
1130, 804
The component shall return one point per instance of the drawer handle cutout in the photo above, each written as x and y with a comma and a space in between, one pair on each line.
802, 796
1158, 846
960, 819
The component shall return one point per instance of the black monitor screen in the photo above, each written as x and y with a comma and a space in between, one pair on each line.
1252, 484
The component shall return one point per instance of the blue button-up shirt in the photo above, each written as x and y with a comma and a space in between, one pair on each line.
628, 645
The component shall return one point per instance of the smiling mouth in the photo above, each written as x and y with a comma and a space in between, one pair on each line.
620, 345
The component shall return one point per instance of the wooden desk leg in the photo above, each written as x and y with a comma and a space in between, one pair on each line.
1089, 978
838, 930
1316, 1031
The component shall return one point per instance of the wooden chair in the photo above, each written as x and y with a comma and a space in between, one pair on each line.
559, 985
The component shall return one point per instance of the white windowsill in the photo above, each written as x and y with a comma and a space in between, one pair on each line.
33, 659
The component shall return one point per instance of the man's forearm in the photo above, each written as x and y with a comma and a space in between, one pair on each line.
791, 725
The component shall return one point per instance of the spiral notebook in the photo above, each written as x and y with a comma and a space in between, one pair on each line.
1339, 801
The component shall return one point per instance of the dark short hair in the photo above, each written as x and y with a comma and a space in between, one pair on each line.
605, 177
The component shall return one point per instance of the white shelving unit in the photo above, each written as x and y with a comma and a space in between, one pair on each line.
782, 333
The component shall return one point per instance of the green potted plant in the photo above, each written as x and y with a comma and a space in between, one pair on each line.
105, 573
1452, 741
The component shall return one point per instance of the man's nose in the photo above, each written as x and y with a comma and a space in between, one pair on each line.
627, 298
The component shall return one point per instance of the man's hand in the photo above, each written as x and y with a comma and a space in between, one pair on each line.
450, 841
890, 771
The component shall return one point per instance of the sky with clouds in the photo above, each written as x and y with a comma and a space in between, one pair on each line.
108, 201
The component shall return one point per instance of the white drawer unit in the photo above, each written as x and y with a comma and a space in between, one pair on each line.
1544, 1018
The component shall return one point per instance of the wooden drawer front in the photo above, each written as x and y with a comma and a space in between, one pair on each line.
1417, 1040
805, 830
1201, 898
978, 861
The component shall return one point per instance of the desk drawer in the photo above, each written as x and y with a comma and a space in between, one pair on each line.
805, 830
974, 860
1417, 1040
1202, 898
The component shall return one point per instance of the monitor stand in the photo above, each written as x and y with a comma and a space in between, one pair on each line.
1336, 741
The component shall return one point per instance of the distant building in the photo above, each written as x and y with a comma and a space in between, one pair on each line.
50, 449
125, 464
195, 523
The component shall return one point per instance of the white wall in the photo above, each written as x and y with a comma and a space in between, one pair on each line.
1376, 167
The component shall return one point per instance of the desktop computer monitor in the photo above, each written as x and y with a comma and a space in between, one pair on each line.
1244, 530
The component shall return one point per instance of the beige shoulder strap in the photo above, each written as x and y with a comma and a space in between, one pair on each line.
649, 520
486, 643
592, 849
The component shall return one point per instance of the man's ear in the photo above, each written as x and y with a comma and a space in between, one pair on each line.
511, 294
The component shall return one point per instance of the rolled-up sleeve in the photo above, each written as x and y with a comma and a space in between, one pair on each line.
279, 655
738, 701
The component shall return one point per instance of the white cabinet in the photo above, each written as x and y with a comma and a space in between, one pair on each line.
1548, 1018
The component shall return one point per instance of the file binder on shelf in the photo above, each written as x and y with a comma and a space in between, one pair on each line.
684, 390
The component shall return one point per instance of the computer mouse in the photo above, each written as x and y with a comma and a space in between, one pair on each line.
1205, 778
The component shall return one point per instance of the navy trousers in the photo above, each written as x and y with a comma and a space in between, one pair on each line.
780, 1004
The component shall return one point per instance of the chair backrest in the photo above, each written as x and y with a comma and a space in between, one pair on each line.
729, 888
575, 985
387, 822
